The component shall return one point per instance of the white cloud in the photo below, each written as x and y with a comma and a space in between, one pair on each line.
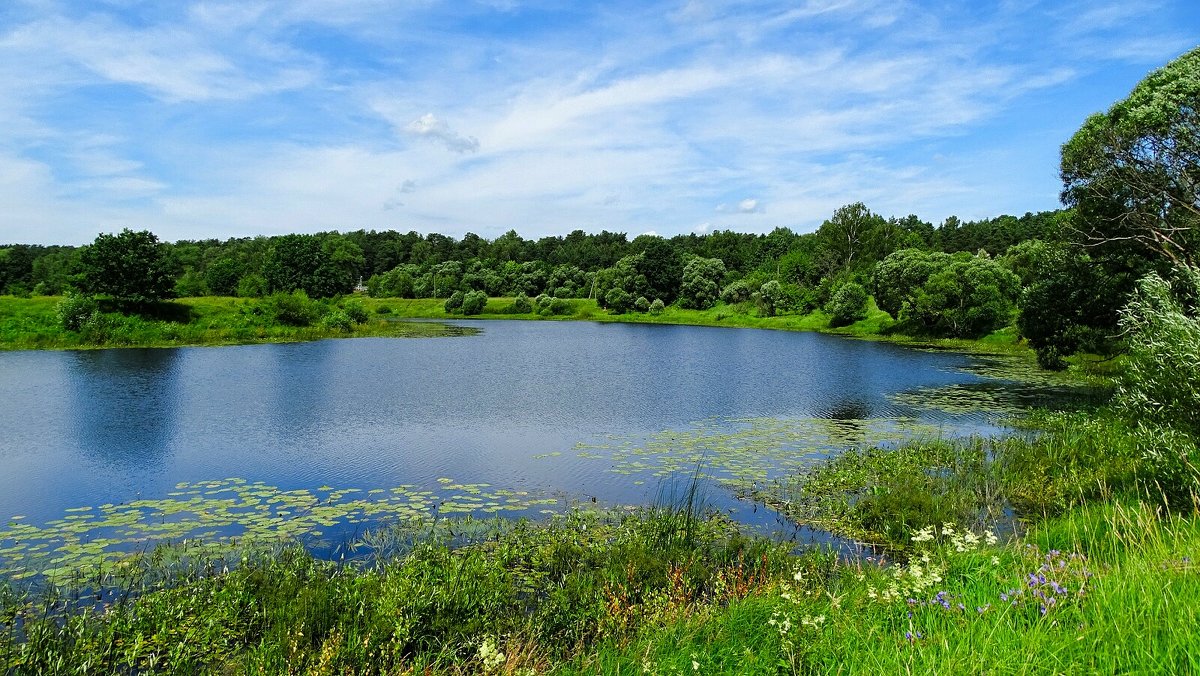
430, 127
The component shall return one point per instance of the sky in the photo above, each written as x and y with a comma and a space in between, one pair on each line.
217, 119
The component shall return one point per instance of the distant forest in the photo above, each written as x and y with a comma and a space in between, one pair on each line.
434, 265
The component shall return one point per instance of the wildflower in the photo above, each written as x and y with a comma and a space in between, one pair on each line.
995, 560
982, 609
990, 537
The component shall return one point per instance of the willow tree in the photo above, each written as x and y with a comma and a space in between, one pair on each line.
1133, 173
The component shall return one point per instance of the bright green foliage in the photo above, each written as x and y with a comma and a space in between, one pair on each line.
337, 319
454, 302
396, 283
221, 277
292, 309
641, 304
855, 237
770, 298
848, 304
320, 265
75, 310
736, 292
1028, 260
252, 286
662, 267
967, 298
1071, 305
701, 283
1162, 371
626, 276
131, 267
1130, 173
900, 274
190, 285
657, 307
473, 302
522, 305
355, 310
618, 300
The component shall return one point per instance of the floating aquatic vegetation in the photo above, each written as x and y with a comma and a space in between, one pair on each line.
231, 511
742, 451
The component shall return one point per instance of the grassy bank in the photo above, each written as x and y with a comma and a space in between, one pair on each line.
34, 323
1095, 575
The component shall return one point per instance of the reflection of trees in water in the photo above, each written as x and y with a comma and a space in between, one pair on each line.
123, 405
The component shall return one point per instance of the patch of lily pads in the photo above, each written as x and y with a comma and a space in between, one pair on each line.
222, 514
742, 451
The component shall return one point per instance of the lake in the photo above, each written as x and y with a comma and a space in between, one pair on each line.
107, 448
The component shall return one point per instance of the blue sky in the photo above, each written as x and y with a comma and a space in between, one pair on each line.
244, 117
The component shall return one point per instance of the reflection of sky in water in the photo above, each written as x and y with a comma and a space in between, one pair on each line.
507, 407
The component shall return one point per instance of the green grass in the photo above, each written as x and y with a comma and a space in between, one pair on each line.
32, 323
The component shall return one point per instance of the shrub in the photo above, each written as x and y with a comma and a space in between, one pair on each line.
1162, 372
848, 304
618, 300
737, 292
454, 302
75, 310
252, 286
542, 302
770, 296
641, 304
657, 307
292, 309
521, 304
355, 310
338, 320
474, 302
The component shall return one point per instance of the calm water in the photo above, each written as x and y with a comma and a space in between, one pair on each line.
510, 407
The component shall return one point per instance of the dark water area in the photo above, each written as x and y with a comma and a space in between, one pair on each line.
576, 411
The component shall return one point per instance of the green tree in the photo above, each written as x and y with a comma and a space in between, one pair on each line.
222, 276
473, 302
1131, 172
901, 274
848, 304
849, 237
701, 284
967, 298
1072, 304
770, 297
131, 267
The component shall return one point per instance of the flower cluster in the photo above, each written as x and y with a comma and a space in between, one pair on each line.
1059, 577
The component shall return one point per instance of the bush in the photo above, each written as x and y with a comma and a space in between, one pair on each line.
454, 302
737, 292
474, 302
641, 304
542, 302
291, 309
338, 320
657, 307
521, 305
770, 296
252, 286
618, 300
1162, 372
355, 310
75, 310
848, 304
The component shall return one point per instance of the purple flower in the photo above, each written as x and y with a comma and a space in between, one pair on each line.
983, 608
